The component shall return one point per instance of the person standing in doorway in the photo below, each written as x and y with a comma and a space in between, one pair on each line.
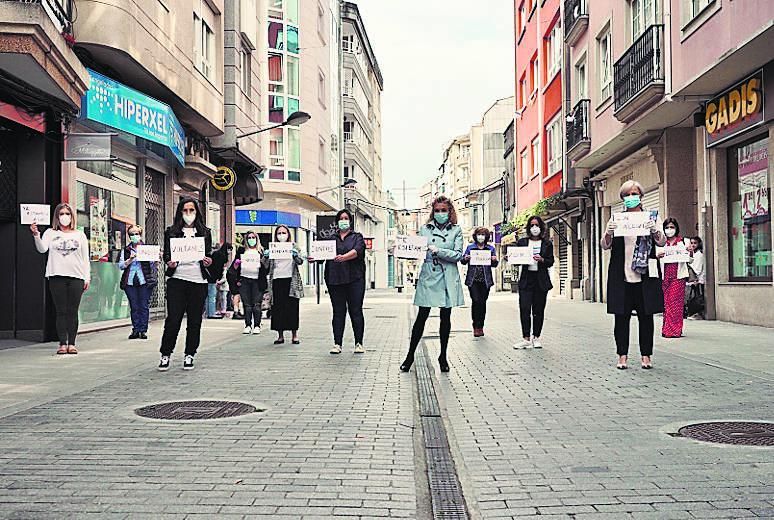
630, 284
534, 283
186, 284
438, 283
252, 282
67, 269
479, 278
696, 302
673, 285
138, 280
285, 288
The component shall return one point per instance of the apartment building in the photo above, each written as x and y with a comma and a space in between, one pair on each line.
672, 93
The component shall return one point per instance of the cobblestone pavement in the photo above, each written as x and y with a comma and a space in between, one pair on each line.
555, 433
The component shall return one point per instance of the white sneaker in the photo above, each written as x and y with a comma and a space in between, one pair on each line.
248, 330
523, 344
359, 349
257, 330
336, 349
536, 343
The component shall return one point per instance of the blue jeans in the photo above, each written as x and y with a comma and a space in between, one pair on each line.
139, 303
212, 298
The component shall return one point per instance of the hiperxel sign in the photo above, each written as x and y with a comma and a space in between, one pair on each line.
735, 110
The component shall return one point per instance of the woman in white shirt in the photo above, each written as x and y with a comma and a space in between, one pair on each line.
286, 289
67, 270
695, 293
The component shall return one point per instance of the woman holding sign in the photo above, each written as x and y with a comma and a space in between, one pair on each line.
482, 258
438, 284
633, 282
137, 281
285, 287
252, 282
675, 277
187, 253
67, 270
534, 283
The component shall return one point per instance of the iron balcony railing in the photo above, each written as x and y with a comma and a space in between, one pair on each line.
640, 66
61, 11
578, 124
573, 11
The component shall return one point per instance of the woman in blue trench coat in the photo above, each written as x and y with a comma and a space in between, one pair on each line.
439, 279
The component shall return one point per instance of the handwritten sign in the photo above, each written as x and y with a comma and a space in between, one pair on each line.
35, 214
634, 223
146, 253
281, 250
414, 248
521, 255
480, 257
676, 253
186, 249
324, 249
252, 261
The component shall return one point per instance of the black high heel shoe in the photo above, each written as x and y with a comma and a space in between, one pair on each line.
406, 365
444, 364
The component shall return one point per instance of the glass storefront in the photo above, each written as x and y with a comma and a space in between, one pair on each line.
749, 206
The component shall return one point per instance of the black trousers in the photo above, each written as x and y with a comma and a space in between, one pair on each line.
66, 292
633, 300
479, 294
348, 297
252, 298
419, 329
532, 308
183, 299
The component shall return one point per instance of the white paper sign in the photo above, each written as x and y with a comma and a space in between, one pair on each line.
281, 250
676, 253
251, 260
480, 257
146, 253
521, 255
35, 214
323, 249
634, 223
410, 247
186, 249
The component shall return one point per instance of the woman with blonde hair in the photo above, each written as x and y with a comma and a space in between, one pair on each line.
67, 270
138, 281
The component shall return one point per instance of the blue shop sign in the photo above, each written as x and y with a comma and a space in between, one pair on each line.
116, 105
257, 217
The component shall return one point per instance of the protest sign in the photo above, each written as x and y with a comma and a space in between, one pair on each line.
676, 253
480, 257
35, 214
634, 223
521, 255
251, 260
186, 249
281, 250
410, 247
323, 249
146, 253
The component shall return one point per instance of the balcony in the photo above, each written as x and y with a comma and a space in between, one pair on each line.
638, 78
576, 20
578, 135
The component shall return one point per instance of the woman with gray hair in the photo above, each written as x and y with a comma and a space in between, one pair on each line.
630, 286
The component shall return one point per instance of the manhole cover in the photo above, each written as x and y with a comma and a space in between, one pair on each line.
740, 433
196, 410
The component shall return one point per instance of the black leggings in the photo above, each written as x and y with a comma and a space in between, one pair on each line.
66, 293
252, 299
419, 329
348, 297
634, 301
532, 307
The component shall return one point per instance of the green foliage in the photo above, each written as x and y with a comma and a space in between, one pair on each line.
519, 222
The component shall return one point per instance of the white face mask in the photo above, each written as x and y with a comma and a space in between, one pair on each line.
282, 237
65, 220
535, 231
481, 238
670, 232
189, 218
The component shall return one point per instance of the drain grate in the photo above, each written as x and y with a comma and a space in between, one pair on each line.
738, 433
196, 410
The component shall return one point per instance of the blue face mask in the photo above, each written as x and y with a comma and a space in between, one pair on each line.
343, 225
631, 201
441, 218
135, 239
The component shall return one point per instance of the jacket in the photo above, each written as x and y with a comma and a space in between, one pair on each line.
263, 272
170, 233
149, 269
342, 273
652, 292
438, 284
488, 278
296, 283
544, 279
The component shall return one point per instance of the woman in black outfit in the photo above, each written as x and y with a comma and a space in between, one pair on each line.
186, 284
534, 283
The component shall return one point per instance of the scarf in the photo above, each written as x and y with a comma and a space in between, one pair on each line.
641, 254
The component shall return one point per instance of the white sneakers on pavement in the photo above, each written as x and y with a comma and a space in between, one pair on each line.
523, 344
257, 330
536, 343
336, 349
359, 349
248, 330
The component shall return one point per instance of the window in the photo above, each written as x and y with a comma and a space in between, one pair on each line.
275, 9
554, 51
294, 149
522, 18
524, 173
644, 13
349, 128
276, 36
293, 79
276, 147
321, 22
536, 157
693, 8
749, 212
204, 51
348, 43
276, 109
322, 155
534, 73
581, 88
605, 69
245, 69
293, 105
292, 39
321, 90
554, 145
291, 10
523, 91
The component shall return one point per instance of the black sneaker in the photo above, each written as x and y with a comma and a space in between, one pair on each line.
164, 364
143, 336
188, 363
134, 335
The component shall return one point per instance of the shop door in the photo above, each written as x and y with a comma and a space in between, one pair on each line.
154, 229
390, 271
8, 228
563, 260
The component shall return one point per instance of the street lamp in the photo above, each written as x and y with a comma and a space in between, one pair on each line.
294, 119
347, 183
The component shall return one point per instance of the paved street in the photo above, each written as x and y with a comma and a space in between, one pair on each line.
557, 433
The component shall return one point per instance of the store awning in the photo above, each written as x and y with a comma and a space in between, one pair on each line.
248, 189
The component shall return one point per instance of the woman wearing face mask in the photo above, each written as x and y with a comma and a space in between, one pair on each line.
696, 280
673, 284
285, 288
438, 283
137, 281
345, 279
252, 282
630, 285
186, 284
67, 270
479, 278
534, 283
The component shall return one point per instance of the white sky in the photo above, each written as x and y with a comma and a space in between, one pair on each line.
444, 63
